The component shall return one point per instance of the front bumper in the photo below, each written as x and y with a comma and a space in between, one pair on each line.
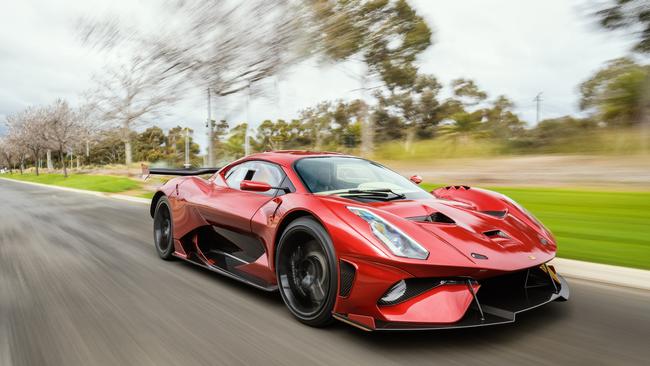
491, 301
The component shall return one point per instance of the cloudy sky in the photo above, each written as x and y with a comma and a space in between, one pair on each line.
512, 47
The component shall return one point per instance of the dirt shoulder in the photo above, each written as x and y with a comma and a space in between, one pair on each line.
621, 172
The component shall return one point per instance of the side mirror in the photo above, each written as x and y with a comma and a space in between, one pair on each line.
416, 179
253, 186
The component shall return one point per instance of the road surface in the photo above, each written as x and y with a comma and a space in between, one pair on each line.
80, 284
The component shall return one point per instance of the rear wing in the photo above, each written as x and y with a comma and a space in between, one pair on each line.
146, 172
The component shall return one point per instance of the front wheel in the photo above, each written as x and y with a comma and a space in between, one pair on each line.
306, 272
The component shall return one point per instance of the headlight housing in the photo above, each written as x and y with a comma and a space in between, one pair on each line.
393, 238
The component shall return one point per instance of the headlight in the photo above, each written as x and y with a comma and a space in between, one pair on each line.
393, 238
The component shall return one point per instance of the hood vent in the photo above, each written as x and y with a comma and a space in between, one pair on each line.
499, 214
496, 234
459, 188
437, 217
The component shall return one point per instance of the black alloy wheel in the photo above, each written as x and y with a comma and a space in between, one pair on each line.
306, 272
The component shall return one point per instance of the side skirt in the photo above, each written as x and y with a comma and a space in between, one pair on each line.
229, 274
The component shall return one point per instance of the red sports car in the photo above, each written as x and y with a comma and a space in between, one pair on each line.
346, 238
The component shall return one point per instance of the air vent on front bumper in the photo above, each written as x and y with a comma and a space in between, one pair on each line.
437, 217
412, 287
347, 278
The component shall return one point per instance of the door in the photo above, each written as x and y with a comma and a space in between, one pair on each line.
230, 243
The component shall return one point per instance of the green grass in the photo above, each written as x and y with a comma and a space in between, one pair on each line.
597, 226
146, 195
99, 183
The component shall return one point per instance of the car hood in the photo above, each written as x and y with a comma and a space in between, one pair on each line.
486, 228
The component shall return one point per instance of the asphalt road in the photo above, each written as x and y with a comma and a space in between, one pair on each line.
80, 284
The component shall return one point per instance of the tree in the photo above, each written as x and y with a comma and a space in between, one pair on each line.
462, 113
632, 16
27, 128
108, 148
219, 130
175, 145
62, 128
150, 145
501, 122
415, 108
7, 153
616, 93
126, 95
386, 35
234, 144
462, 126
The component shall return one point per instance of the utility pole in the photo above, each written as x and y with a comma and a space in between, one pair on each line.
247, 138
538, 99
187, 164
210, 127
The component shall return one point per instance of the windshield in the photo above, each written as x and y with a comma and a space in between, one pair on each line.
338, 175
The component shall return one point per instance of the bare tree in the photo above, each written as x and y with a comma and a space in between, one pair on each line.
26, 130
62, 128
223, 46
7, 153
126, 95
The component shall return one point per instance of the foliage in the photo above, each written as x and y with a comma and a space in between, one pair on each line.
630, 15
616, 92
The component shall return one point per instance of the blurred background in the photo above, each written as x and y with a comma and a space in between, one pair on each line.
547, 102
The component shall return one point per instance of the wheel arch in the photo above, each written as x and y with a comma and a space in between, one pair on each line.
285, 222
154, 202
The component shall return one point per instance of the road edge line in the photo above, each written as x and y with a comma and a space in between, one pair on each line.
117, 196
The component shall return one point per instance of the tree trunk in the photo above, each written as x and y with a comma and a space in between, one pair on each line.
62, 158
50, 166
127, 153
645, 115
78, 164
36, 161
367, 133
410, 137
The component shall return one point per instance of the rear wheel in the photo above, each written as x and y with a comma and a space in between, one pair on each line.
306, 272
162, 229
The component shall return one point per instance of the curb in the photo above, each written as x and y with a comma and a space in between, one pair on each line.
603, 273
570, 268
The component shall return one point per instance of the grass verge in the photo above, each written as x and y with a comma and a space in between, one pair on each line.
596, 226
99, 183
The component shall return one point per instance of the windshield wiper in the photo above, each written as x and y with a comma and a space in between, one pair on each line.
382, 192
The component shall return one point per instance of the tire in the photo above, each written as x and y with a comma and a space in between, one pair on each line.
306, 272
163, 229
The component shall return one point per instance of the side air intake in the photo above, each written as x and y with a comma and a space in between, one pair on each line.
347, 278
